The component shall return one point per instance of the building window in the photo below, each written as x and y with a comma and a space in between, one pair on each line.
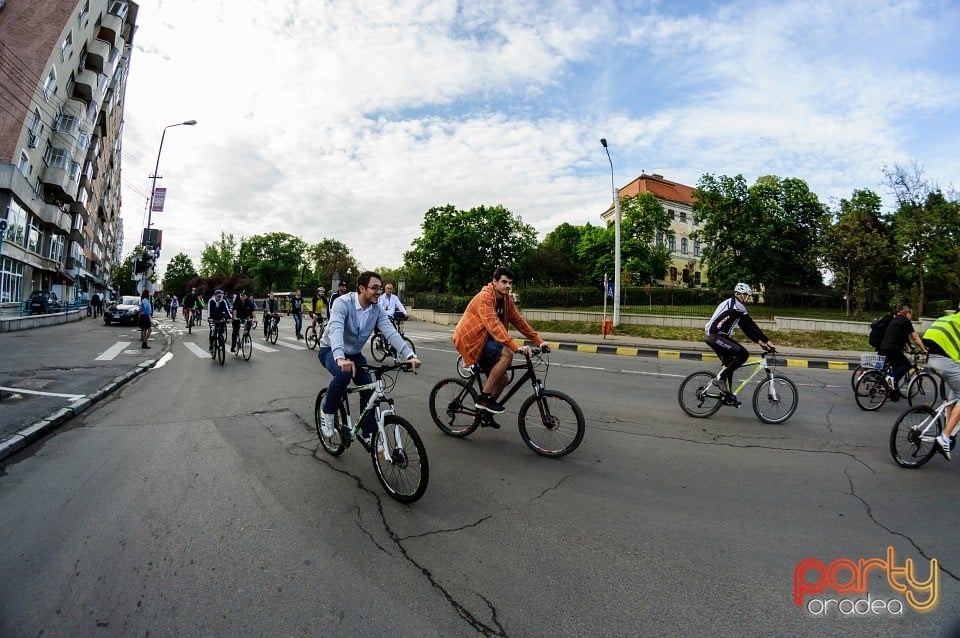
50, 85
56, 157
16, 224
683, 216
23, 164
11, 280
35, 237
672, 244
66, 47
671, 214
659, 239
696, 278
683, 245
56, 248
696, 247
118, 8
673, 274
84, 10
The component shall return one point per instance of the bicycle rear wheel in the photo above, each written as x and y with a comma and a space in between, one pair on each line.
336, 444
451, 406
775, 399
555, 428
923, 390
699, 395
246, 345
221, 350
871, 392
913, 438
310, 336
406, 473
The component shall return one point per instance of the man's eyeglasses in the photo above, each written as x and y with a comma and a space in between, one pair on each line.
374, 288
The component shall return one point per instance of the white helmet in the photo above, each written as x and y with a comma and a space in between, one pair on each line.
742, 288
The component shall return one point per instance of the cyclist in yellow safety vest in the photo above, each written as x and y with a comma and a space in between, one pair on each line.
942, 340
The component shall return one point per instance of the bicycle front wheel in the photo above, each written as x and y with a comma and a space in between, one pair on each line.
274, 333
699, 395
555, 428
451, 406
379, 348
922, 390
871, 392
335, 444
775, 399
190, 324
913, 438
857, 373
400, 460
221, 350
246, 346
310, 336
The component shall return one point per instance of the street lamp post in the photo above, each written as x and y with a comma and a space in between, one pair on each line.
616, 240
153, 191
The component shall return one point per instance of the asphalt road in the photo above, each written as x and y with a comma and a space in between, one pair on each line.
195, 501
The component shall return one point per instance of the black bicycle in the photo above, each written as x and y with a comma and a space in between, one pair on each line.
380, 347
554, 428
244, 344
219, 352
271, 327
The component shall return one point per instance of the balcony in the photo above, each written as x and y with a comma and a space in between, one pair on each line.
85, 85
55, 216
65, 140
76, 208
111, 27
59, 184
98, 53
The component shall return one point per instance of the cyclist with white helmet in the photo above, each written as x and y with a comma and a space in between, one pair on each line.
728, 315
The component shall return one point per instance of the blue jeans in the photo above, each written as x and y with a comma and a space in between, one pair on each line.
491, 353
338, 385
297, 322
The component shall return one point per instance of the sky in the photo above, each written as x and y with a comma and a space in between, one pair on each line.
349, 119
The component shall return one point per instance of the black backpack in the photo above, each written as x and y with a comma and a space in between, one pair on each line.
877, 329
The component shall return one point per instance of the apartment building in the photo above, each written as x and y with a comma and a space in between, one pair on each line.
64, 67
686, 268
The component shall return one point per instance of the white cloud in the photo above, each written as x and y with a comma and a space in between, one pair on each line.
350, 120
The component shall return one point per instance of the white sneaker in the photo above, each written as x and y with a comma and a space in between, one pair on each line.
891, 383
944, 444
326, 424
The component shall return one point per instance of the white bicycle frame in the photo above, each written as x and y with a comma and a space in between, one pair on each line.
757, 365
927, 425
379, 396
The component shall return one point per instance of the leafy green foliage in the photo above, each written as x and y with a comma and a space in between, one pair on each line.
327, 257
178, 274
219, 257
272, 260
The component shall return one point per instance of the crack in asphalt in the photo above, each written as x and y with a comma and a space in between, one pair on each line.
494, 628
889, 530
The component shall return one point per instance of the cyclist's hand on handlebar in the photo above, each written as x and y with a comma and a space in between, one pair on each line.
411, 364
545, 347
525, 350
346, 365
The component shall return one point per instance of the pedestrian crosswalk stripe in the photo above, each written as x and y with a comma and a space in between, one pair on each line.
264, 348
111, 353
292, 346
197, 350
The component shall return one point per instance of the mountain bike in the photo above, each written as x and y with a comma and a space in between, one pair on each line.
774, 400
551, 423
244, 340
271, 328
871, 390
380, 347
311, 334
399, 457
913, 439
219, 329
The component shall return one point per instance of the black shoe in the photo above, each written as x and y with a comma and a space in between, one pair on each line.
729, 398
145, 346
489, 405
488, 422
893, 395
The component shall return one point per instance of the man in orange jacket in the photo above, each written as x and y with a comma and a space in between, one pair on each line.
481, 336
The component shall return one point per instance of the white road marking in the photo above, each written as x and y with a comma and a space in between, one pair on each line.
163, 360
111, 353
292, 346
72, 397
197, 350
263, 348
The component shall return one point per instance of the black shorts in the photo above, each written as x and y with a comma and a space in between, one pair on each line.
145, 322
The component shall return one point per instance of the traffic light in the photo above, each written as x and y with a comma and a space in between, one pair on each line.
138, 266
147, 261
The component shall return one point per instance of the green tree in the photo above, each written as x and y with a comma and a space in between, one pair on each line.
555, 261
460, 249
220, 257
179, 272
121, 276
766, 234
642, 218
858, 248
272, 260
595, 252
327, 257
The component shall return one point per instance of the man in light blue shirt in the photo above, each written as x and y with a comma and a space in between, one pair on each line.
353, 317
146, 318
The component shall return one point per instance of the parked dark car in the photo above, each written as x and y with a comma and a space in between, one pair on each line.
126, 309
44, 301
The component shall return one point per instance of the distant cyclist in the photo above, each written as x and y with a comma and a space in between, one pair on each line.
319, 308
245, 309
898, 333
189, 301
391, 304
218, 311
271, 311
728, 315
